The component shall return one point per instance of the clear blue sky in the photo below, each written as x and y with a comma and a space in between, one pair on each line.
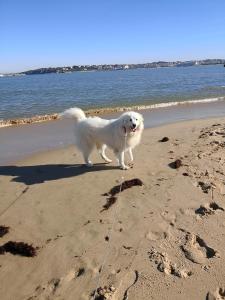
42, 33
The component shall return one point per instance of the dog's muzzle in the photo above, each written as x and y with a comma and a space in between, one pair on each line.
133, 127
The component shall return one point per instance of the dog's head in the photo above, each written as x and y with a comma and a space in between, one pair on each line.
132, 122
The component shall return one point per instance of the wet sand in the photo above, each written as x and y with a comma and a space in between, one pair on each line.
162, 240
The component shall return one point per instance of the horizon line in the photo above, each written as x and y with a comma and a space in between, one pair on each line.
113, 64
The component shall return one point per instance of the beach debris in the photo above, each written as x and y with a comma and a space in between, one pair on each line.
104, 293
127, 247
3, 230
125, 185
216, 124
208, 209
202, 210
119, 188
80, 272
18, 248
204, 186
202, 135
57, 237
86, 223
165, 139
185, 174
214, 206
25, 190
131, 165
110, 201
106, 238
176, 164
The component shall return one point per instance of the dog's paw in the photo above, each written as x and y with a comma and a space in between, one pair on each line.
108, 160
89, 164
124, 167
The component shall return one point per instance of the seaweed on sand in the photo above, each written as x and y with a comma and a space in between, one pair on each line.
120, 188
3, 230
18, 248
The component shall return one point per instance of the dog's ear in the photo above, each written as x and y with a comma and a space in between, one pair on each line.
142, 122
123, 127
141, 118
124, 121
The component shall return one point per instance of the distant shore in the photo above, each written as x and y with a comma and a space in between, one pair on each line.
119, 67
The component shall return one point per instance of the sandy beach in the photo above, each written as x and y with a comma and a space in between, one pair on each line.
160, 240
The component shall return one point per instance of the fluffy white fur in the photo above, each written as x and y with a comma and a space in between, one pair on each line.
121, 134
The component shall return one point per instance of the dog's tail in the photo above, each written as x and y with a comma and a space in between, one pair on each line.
75, 113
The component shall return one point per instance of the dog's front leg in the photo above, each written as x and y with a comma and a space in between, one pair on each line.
121, 161
131, 155
131, 163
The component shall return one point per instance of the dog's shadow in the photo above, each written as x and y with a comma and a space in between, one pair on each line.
40, 173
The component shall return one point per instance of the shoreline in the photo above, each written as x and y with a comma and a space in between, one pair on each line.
19, 142
20, 158
160, 127
107, 110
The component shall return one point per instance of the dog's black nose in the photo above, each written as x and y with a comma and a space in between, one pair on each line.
133, 125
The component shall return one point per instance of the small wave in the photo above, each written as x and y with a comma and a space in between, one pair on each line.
154, 106
175, 103
108, 110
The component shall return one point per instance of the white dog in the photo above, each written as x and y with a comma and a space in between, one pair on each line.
121, 134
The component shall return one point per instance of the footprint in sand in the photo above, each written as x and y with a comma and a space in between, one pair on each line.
49, 290
208, 209
196, 250
219, 294
155, 235
165, 265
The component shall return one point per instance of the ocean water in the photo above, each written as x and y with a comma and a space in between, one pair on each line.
27, 96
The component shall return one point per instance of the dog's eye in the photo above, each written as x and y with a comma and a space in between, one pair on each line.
131, 120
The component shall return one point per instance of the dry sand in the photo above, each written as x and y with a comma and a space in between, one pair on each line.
162, 240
